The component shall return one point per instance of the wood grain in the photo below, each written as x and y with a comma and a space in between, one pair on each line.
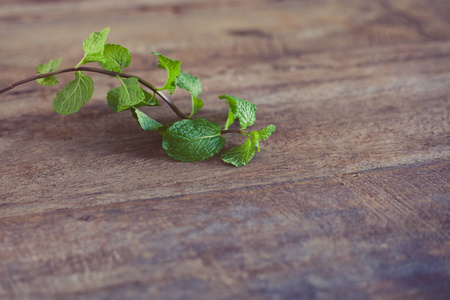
349, 199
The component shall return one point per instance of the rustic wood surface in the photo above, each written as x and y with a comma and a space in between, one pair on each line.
349, 199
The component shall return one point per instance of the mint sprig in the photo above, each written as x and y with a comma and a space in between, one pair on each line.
241, 155
186, 140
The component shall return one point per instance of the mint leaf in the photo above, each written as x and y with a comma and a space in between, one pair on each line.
48, 67
113, 100
262, 135
193, 86
94, 46
116, 58
145, 121
193, 140
190, 83
127, 95
265, 133
149, 100
74, 95
173, 71
242, 109
116, 95
130, 93
197, 103
241, 155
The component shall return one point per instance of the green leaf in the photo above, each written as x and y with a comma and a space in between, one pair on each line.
127, 95
113, 100
193, 86
266, 132
262, 135
230, 119
197, 103
193, 140
74, 95
242, 109
48, 67
242, 154
116, 58
149, 100
130, 92
190, 83
173, 71
94, 46
145, 121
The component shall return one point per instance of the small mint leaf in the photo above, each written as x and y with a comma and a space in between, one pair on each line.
197, 103
173, 71
190, 83
94, 46
149, 100
193, 140
116, 58
48, 67
230, 119
242, 109
264, 134
145, 121
240, 155
128, 95
74, 95
193, 86
113, 100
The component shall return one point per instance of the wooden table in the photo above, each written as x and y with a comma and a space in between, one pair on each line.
349, 199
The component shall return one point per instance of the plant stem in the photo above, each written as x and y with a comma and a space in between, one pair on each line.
234, 131
101, 71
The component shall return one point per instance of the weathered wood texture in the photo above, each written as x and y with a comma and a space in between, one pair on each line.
350, 198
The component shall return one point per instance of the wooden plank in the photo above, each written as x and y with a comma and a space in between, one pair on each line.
348, 199
369, 121
349, 236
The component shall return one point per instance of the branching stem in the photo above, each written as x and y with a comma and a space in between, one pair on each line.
101, 71
241, 131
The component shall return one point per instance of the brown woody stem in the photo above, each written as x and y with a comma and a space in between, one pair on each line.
101, 71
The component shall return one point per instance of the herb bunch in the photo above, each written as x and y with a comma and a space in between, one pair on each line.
185, 140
